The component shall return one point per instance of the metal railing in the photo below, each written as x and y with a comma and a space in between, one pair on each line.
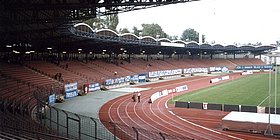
48, 122
76, 126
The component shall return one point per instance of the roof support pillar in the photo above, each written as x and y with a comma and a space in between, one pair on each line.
234, 55
192, 56
200, 55
58, 53
86, 57
147, 57
129, 58
226, 55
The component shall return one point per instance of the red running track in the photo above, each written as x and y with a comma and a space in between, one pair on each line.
158, 117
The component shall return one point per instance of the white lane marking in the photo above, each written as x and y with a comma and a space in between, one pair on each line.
166, 105
171, 112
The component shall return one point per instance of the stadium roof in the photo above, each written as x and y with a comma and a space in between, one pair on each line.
109, 40
37, 22
42, 24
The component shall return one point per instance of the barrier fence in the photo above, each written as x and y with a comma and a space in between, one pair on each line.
40, 120
76, 126
225, 107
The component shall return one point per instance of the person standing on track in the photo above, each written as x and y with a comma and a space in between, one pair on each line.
134, 96
139, 95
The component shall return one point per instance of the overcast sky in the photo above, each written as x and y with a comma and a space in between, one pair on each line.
225, 21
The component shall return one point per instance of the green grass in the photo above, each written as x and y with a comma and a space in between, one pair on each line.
249, 90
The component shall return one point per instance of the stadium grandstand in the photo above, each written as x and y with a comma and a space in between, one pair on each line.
48, 56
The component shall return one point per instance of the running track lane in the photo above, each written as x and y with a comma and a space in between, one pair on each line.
156, 117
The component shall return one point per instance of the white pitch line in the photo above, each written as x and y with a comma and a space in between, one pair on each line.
263, 100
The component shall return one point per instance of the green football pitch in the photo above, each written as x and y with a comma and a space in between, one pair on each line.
250, 90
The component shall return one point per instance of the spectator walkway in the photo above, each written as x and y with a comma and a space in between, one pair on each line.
90, 104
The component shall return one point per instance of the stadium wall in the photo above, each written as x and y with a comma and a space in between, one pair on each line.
224, 107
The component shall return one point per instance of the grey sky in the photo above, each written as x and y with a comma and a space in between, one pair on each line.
225, 21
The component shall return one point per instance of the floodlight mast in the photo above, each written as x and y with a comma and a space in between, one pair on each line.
268, 130
275, 88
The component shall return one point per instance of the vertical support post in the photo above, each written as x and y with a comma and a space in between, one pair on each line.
136, 132
39, 115
163, 138
86, 57
275, 87
59, 54
268, 130
226, 55
67, 123
129, 58
42, 115
114, 128
192, 57
21, 109
79, 125
50, 116
13, 109
4, 105
115, 137
95, 128
57, 119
